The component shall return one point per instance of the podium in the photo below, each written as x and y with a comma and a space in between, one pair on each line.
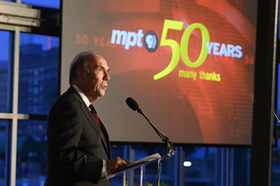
141, 163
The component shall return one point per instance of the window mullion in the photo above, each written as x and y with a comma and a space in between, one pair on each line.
15, 108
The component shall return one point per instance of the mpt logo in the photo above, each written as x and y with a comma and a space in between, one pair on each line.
131, 39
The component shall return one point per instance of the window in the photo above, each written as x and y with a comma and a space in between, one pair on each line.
43, 3
32, 155
118, 151
5, 71
4, 125
200, 166
38, 73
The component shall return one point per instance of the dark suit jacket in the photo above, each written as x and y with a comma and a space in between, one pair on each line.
76, 144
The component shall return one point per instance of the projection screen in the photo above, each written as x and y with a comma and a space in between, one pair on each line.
189, 64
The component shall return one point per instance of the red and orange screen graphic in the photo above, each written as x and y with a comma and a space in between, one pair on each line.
188, 63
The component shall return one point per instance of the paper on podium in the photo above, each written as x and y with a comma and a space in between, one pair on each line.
143, 160
136, 164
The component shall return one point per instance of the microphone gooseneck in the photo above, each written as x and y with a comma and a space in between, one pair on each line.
168, 144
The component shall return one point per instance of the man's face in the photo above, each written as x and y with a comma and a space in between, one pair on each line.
95, 83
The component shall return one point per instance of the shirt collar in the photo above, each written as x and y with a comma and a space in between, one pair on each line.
85, 99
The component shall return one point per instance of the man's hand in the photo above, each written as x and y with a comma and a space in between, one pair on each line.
116, 164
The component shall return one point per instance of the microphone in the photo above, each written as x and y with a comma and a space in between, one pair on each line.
132, 104
169, 145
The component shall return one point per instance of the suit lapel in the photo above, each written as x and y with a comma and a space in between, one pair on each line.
96, 127
105, 140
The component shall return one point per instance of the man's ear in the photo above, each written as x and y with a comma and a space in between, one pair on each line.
81, 74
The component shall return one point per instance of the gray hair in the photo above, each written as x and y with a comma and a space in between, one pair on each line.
81, 62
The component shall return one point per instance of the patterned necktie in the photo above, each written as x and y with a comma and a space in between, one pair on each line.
93, 112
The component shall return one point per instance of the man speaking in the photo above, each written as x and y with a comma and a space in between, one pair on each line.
78, 144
